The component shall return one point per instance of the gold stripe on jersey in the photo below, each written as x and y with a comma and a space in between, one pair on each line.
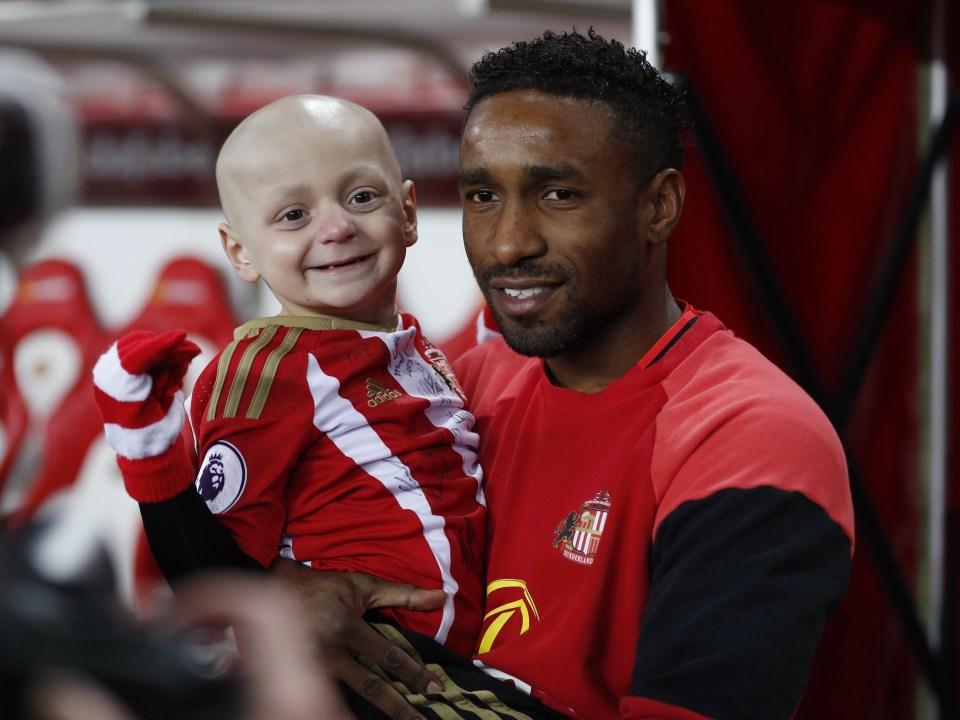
270, 372
222, 366
243, 370
264, 329
240, 377
454, 702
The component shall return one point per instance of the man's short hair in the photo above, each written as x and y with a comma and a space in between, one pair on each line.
647, 109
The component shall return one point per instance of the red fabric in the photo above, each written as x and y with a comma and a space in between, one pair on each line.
463, 339
814, 104
158, 478
164, 355
480, 327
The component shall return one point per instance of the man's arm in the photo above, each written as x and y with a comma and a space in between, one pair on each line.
743, 583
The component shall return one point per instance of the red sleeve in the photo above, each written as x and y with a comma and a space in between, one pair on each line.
721, 430
752, 539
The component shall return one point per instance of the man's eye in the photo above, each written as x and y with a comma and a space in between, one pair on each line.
482, 196
293, 215
559, 194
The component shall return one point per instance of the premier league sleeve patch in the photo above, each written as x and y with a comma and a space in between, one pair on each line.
222, 478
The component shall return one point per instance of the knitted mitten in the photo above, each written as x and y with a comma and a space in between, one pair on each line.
138, 385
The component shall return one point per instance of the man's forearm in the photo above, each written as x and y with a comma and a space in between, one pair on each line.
744, 582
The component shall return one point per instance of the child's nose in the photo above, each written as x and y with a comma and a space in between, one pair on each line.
336, 225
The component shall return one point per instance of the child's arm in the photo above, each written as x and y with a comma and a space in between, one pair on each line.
138, 386
186, 538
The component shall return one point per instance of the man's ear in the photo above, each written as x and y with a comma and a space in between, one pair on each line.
236, 254
408, 197
665, 195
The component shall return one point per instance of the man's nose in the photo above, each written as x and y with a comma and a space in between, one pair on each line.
517, 236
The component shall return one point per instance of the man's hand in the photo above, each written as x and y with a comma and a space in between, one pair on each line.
335, 603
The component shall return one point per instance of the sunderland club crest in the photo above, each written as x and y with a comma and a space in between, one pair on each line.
439, 362
578, 534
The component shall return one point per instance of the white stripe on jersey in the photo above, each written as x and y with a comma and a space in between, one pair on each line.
504, 677
349, 430
418, 378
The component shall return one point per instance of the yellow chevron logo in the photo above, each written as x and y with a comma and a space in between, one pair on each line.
509, 600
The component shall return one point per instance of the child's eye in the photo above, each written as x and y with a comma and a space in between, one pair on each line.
362, 197
293, 215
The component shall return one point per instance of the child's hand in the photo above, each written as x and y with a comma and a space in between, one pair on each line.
138, 386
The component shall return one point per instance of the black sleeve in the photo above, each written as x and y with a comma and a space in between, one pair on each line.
186, 538
742, 585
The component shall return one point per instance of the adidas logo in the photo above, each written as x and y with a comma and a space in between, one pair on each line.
377, 394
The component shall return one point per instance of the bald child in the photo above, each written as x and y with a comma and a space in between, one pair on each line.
335, 434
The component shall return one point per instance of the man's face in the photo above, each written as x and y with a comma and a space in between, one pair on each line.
552, 222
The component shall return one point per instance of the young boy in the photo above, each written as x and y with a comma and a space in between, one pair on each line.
333, 434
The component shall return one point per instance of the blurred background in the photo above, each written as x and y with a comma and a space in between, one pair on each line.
818, 225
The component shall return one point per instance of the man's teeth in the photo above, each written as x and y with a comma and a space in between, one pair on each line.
523, 294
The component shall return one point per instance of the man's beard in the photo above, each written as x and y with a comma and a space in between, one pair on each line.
527, 335
534, 338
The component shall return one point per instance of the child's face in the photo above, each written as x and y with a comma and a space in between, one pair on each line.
320, 213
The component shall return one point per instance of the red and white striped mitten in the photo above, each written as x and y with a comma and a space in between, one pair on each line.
138, 385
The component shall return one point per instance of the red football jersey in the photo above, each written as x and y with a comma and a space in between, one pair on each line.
347, 447
678, 483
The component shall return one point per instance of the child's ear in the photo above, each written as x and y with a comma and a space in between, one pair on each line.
408, 197
236, 254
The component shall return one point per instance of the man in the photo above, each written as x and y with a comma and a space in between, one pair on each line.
712, 525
